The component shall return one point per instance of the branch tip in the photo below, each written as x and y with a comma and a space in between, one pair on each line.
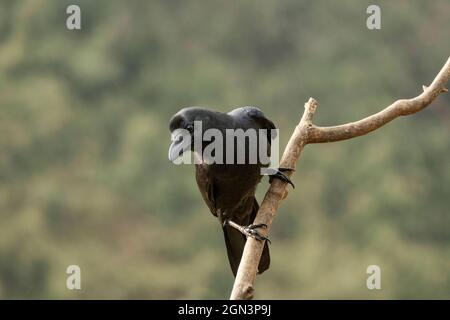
311, 105
310, 108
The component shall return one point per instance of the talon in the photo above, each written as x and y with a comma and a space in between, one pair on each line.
255, 226
280, 175
250, 231
283, 169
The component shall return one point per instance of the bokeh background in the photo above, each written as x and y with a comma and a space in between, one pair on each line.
84, 175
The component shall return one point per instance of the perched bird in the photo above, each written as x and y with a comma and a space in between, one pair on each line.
227, 189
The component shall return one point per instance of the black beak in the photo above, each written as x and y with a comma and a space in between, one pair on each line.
181, 141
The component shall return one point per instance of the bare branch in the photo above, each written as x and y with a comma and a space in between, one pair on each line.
398, 108
243, 285
306, 132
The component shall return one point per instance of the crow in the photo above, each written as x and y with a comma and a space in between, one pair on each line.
228, 189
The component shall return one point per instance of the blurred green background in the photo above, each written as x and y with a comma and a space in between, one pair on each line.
84, 175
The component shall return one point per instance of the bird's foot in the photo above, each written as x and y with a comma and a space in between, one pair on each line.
250, 231
278, 173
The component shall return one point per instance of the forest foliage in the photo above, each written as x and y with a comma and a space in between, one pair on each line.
84, 175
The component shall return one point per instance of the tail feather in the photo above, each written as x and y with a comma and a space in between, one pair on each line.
235, 242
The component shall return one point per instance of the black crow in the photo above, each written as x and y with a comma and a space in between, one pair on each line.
228, 189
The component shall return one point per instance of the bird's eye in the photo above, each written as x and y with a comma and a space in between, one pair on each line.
190, 128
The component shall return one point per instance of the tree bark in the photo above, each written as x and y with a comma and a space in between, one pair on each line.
306, 132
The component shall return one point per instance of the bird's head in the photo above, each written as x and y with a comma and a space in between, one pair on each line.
183, 130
